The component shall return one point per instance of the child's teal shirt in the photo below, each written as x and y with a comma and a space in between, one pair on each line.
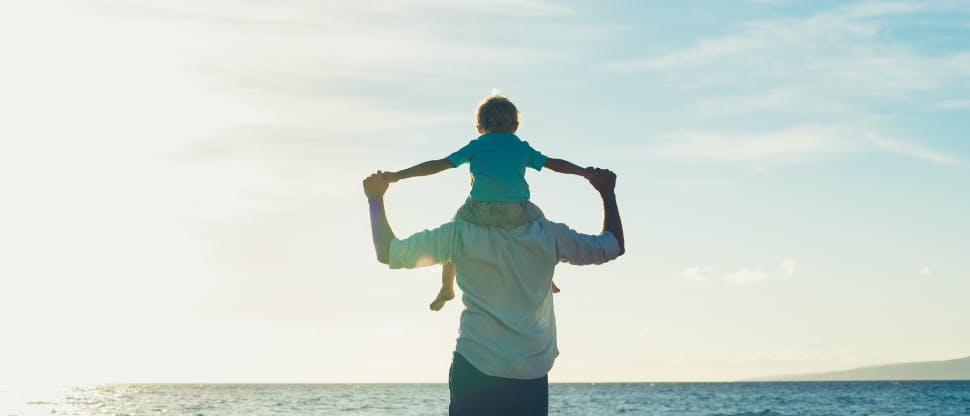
497, 162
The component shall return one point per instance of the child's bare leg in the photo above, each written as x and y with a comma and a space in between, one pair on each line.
447, 291
555, 289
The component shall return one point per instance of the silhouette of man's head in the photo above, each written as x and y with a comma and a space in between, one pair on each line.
497, 115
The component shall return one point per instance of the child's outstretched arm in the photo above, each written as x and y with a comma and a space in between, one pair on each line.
430, 167
564, 166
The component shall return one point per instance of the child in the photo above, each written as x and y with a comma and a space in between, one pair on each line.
497, 161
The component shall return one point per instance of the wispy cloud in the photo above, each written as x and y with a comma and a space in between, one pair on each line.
840, 68
697, 273
787, 266
911, 149
951, 105
704, 50
879, 8
315, 81
768, 2
294, 13
351, 39
796, 144
508, 7
799, 144
760, 43
744, 275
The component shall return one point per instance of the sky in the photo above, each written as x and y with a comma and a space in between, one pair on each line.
182, 198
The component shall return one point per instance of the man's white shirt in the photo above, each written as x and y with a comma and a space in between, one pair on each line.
508, 326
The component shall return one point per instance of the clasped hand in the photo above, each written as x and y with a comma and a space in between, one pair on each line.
375, 185
604, 180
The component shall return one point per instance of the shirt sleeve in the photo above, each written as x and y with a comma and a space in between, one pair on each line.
581, 249
425, 248
536, 159
463, 154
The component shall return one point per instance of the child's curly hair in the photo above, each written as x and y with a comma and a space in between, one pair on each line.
497, 115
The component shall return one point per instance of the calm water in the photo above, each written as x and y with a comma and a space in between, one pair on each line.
708, 399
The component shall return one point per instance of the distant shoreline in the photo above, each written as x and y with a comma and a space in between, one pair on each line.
944, 370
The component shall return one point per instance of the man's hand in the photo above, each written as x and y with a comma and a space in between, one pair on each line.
603, 180
375, 185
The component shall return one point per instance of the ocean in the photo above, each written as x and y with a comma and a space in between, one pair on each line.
882, 398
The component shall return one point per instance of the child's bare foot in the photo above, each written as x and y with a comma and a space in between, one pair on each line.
555, 289
444, 295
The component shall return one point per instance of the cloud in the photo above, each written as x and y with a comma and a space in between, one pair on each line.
952, 105
787, 266
873, 9
317, 86
914, 150
355, 40
697, 273
744, 275
501, 7
926, 271
704, 50
846, 68
796, 144
768, 2
296, 13
760, 43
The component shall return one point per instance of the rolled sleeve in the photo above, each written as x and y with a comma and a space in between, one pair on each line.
425, 248
462, 155
536, 159
582, 249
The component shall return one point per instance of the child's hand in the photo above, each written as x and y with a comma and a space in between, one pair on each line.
390, 177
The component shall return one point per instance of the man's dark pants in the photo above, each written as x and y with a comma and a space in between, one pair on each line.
474, 393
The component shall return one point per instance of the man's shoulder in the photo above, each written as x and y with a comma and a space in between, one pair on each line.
551, 225
565, 231
448, 227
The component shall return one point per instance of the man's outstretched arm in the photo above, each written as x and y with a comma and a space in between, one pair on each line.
374, 188
605, 182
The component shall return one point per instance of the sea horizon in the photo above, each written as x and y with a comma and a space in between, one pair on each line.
346, 383
762, 398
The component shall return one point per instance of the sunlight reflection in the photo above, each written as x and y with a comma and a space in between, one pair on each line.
425, 261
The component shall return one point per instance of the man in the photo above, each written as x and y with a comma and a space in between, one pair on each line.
507, 334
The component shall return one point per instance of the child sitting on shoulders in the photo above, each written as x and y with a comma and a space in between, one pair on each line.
497, 160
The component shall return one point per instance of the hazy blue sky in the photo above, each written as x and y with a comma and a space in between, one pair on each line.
182, 196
